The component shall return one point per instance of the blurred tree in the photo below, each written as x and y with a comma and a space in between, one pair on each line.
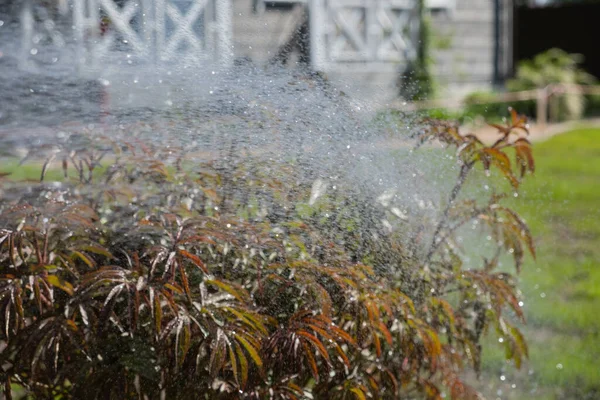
554, 66
416, 82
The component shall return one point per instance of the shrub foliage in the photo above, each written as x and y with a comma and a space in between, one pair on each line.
147, 273
555, 66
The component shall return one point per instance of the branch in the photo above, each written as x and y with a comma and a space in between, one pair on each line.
462, 177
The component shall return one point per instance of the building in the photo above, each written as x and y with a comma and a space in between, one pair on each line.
471, 42
362, 45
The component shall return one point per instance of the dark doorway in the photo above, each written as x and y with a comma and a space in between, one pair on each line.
574, 28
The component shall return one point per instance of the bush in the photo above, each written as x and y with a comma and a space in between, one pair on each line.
554, 66
417, 83
446, 114
592, 106
483, 104
169, 275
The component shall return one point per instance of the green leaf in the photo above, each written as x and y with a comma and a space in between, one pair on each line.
243, 365
218, 354
237, 292
234, 367
60, 283
359, 394
98, 250
250, 349
83, 257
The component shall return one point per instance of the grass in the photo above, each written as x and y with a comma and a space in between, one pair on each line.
28, 171
561, 203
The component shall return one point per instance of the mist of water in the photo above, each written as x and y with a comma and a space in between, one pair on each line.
280, 118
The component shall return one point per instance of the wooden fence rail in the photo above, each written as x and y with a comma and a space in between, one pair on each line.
540, 96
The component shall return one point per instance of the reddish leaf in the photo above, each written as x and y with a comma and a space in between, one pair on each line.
195, 259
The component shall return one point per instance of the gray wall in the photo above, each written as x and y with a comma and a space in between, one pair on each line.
463, 45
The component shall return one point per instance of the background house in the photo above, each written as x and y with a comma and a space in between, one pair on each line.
363, 45
471, 44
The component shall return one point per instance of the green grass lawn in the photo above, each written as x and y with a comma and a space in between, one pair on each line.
561, 203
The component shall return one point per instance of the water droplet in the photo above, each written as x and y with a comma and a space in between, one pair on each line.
502, 378
542, 295
521, 304
501, 340
516, 194
559, 366
33, 51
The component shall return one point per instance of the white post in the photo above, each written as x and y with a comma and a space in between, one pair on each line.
318, 32
542, 107
372, 29
159, 27
63, 7
148, 27
93, 17
224, 23
91, 27
26, 34
79, 25
210, 31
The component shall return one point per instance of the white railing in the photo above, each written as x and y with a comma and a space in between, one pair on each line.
370, 32
145, 30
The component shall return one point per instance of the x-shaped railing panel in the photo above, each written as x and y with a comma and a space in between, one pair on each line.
122, 23
184, 30
377, 31
154, 29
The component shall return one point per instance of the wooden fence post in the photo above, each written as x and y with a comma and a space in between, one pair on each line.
542, 107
